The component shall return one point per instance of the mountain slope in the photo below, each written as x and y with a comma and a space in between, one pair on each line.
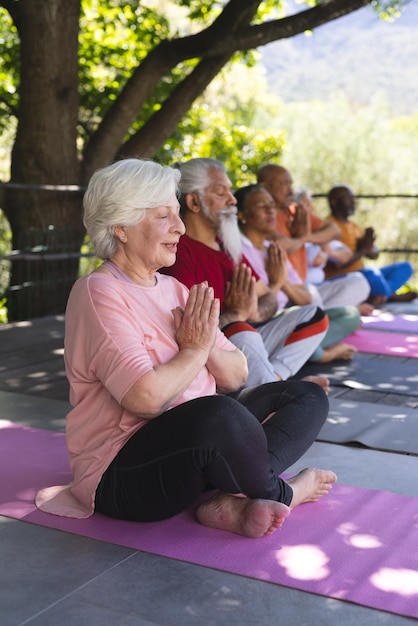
359, 54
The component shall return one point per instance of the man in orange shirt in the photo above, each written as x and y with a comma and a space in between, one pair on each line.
383, 281
294, 222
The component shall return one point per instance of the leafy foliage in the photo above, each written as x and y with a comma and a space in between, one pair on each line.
204, 10
114, 38
9, 68
208, 133
389, 9
225, 124
363, 147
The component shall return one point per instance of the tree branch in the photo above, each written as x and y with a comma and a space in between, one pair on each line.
262, 34
144, 79
230, 32
148, 139
120, 116
215, 41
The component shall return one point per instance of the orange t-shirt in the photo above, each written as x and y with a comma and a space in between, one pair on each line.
297, 258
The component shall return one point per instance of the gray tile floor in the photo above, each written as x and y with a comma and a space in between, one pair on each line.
50, 578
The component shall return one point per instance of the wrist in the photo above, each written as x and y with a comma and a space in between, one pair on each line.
228, 317
195, 352
275, 286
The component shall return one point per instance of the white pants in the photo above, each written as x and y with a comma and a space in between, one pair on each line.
348, 290
282, 345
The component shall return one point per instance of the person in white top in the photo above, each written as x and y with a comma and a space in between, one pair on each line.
351, 289
256, 215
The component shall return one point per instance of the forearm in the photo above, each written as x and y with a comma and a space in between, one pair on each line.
228, 317
298, 294
276, 286
267, 307
325, 235
353, 259
291, 244
229, 368
155, 391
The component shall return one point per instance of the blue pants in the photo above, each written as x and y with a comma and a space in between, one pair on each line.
384, 281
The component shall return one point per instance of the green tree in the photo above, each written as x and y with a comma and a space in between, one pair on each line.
336, 141
90, 81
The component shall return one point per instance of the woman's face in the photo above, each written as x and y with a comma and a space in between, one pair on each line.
152, 243
260, 212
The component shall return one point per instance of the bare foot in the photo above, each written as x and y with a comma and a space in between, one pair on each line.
319, 380
243, 516
310, 485
339, 351
365, 309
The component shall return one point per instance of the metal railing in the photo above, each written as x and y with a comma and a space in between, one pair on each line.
48, 259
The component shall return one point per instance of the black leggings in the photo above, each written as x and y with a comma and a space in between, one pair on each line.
214, 442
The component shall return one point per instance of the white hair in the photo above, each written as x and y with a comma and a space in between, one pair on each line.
195, 176
120, 194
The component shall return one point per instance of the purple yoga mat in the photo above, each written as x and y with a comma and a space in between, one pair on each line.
381, 342
354, 544
394, 322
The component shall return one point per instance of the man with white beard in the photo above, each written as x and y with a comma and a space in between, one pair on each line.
276, 345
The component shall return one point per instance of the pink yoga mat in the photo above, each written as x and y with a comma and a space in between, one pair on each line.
354, 544
381, 342
394, 322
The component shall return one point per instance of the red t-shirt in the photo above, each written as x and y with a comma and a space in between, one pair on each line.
197, 262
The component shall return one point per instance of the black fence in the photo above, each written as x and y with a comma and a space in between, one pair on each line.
48, 260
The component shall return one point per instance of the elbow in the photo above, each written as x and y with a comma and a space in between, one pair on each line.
146, 412
234, 383
242, 378
237, 374
144, 405
242, 372
152, 411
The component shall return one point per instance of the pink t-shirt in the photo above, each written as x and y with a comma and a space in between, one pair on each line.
115, 332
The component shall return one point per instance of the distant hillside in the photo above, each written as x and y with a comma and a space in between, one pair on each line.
359, 54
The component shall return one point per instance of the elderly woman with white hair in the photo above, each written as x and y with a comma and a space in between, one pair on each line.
159, 416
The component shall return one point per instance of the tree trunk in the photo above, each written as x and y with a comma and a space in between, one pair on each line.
45, 153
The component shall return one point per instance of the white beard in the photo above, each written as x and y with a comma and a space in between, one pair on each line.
229, 234
227, 230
